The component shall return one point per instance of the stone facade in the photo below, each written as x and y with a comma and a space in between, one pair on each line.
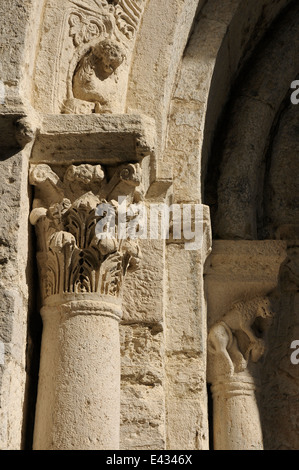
149, 225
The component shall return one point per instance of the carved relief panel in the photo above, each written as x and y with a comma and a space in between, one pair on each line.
85, 53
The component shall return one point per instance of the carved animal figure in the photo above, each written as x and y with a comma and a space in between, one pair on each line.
95, 67
222, 339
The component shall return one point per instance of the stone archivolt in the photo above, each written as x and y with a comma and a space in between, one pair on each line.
84, 29
72, 258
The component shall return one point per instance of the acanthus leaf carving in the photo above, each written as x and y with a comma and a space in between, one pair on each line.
72, 257
128, 14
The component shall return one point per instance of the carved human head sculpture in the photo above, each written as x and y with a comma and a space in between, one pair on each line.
110, 54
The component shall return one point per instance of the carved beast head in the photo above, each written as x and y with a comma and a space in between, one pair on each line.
264, 308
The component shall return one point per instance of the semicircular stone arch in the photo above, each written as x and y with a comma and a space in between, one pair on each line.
223, 37
251, 187
242, 148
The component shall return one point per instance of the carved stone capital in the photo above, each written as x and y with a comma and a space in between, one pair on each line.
235, 343
75, 257
236, 340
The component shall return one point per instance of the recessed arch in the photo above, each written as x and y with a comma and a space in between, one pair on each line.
239, 155
223, 37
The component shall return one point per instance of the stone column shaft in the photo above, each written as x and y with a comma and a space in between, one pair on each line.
234, 351
79, 381
236, 416
81, 272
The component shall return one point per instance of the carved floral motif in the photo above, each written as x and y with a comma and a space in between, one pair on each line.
84, 29
72, 257
128, 14
103, 17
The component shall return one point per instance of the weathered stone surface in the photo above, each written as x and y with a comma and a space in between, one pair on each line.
144, 288
184, 315
282, 182
279, 385
237, 270
243, 159
110, 139
142, 354
14, 237
173, 102
187, 426
142, 417
143, 385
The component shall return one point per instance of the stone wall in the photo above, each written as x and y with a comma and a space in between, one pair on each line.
107, 99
